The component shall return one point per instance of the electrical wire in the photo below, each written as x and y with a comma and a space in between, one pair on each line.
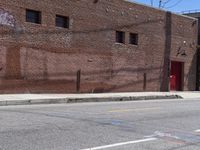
165, 2
174, 4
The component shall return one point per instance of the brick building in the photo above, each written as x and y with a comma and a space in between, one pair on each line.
94, 46
196, 14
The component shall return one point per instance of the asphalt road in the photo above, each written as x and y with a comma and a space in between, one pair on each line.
143, 125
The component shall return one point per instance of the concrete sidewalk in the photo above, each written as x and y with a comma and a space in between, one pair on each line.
27, 99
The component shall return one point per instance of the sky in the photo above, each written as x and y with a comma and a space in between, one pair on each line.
174, 5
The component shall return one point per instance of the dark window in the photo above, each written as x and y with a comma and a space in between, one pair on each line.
33, 16
133, 38
62, 21
120, 37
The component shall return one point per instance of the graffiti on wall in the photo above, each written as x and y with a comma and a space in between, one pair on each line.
6, 18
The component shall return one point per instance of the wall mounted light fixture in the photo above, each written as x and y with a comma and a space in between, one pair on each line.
181, 49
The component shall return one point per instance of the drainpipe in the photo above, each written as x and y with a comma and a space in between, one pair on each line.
78, 81
168, 40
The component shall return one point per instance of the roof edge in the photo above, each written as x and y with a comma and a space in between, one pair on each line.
162, 10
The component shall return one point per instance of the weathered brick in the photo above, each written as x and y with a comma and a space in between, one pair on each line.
44, 58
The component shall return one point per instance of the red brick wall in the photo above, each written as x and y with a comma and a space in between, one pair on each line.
43, 58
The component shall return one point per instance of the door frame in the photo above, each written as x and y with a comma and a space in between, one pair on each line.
182, 74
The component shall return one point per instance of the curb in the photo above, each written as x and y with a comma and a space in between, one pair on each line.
118, 99
82, 100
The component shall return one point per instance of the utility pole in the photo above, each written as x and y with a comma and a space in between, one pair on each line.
160, 3
151, 2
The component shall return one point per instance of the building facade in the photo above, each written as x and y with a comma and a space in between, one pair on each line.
196, 14
68, 46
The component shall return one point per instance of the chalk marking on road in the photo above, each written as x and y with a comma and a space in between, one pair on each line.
129, 110
198, 130
121, 144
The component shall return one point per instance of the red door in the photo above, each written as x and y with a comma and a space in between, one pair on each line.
176, 76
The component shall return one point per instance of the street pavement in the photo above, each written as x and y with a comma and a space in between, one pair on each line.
141, 125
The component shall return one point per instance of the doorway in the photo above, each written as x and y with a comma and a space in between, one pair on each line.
176, 76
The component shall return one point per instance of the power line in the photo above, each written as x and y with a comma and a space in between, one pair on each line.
175, 4
165, 2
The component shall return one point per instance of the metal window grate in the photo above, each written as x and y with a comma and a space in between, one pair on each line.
62, 21
33, 16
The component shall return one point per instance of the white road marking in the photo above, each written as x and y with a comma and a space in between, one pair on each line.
162, 134
198, 130
121, 144
134, 109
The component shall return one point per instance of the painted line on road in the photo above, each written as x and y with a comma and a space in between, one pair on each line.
198, 130
136, 109
121, 144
